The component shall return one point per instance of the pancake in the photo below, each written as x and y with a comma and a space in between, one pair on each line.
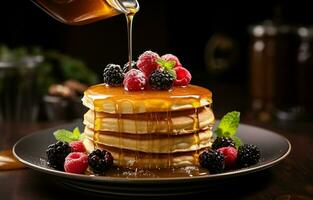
182, 122
153, 143
131, 159
150, 128
102, 98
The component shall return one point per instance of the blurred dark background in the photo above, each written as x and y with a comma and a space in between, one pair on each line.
179, 27
212, 39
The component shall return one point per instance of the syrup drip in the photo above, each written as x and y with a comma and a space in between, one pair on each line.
157, 129
137, 140
149, 130
197, 129
150, 101
96, 125
154, 102
169, 133
153, 125
120, 131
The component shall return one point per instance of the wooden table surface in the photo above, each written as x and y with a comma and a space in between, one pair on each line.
291, 179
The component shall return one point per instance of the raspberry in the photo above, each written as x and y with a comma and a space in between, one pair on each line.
171, 57
113, 75
77, 146
135, 80
212, 160
76, 163
56, 154
100, 160
161, 80
147, 62
183, 76
230, 156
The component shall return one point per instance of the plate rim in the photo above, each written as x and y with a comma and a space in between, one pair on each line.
160, 180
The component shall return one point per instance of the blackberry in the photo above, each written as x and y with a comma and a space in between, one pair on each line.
113, 75
161, 80
248, 155
100, 160
133, 66
212, 160
223, 142
56, 154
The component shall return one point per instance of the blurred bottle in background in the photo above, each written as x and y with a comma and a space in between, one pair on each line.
37, 84
304, 72
63, 79
18, 86
280, 63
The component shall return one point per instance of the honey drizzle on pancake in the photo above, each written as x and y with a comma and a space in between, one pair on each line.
179, 98
156, 129
197, 129
154, 102
137, 155
169, 133
149, 130
149, 121
120, 130
96, 124
137, 140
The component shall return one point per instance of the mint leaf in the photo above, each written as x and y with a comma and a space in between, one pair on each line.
237, 141
63, 135
172, 72
68, 136
228, 125
167, 65
76, 132
160, 62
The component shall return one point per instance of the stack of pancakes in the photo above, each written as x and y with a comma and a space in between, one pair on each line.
150, 129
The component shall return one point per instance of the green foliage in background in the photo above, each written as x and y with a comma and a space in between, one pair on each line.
55, 68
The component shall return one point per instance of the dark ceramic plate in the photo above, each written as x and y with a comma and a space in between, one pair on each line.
30, 150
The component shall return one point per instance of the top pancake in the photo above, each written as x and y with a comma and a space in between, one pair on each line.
116, 100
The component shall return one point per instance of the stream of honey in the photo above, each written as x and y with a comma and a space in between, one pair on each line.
80, 12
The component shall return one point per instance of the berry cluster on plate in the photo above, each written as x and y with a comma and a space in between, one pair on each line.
69, 154
151, 71
227, 150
